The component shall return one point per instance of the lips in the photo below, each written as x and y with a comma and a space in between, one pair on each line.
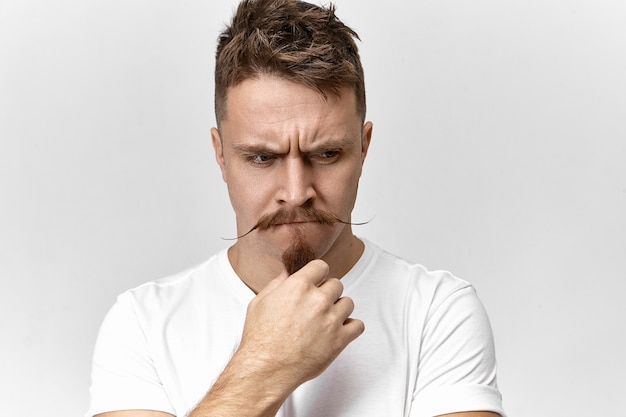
294, 222
283, 217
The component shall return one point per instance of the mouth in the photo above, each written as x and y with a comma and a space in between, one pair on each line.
301, 216
294, 223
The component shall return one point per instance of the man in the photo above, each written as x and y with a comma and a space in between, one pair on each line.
262, 329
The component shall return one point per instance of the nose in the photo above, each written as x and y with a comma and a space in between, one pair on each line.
296, 188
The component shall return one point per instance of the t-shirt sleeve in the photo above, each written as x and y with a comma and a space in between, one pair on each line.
123, 375
457, 365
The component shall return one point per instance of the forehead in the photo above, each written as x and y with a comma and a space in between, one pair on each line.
282, 107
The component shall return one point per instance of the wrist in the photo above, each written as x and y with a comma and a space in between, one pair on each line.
268, 376
250, 385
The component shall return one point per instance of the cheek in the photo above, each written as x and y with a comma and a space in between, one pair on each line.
340, 190
244, 192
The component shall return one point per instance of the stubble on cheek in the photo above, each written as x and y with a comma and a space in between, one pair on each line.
298, 254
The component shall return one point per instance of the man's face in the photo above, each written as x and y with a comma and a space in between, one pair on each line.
283, 146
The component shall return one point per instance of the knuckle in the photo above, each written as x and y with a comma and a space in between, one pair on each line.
321, 265
315, 267
298, 286
337, 283
349, 305
320, 300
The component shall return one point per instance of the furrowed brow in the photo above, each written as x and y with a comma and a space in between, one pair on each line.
332, 144
267, 149
252, 148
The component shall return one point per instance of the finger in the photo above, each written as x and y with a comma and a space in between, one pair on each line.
343, 308
314, 272
352, 328
333, 288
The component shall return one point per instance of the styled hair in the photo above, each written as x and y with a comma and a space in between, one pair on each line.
293, 40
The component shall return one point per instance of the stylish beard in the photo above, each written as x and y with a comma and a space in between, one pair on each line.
300, 252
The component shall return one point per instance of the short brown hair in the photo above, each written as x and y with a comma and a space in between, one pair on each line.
291, 39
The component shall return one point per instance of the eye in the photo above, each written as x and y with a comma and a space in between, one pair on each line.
327, 157
259, 159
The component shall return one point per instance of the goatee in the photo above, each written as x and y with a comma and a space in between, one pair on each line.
298, 254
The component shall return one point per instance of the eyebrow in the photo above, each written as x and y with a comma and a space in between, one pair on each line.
339, 143
265, 148
254, 149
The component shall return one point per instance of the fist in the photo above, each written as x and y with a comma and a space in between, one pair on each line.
299, 324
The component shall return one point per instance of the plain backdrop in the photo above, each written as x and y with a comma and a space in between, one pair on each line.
499, 153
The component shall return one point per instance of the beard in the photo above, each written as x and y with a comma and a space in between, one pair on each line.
298, 254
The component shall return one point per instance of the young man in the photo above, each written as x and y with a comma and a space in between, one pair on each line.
263, 328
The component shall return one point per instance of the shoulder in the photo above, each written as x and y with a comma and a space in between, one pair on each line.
175, 302
414, 278
159, 299
177, 284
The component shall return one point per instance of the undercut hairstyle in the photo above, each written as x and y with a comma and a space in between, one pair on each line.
293, 40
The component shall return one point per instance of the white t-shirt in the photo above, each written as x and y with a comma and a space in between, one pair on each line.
427, 348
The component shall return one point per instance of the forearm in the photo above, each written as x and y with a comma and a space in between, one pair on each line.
246, 387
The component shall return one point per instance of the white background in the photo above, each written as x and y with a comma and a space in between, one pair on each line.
499, 153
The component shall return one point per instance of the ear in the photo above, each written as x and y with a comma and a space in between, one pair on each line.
219, 151
366, 138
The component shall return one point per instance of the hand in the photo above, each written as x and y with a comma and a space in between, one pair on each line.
296, 326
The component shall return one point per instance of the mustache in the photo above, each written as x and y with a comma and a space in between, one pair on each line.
300, 214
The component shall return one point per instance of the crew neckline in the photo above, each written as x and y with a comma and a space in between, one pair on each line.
246, 294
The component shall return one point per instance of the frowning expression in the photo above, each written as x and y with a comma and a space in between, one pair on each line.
284, 146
